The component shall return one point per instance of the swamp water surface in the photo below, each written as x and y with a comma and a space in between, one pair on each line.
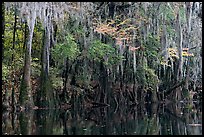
141, 119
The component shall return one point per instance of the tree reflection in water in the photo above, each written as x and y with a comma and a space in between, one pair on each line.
141, 119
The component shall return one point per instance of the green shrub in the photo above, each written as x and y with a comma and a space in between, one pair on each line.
67, 49
99, 51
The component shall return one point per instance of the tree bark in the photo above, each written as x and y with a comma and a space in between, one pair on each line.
45, 96
6, 101
12, 59
14, 33
180, 49
26, 93
26, 98
179, 42
188, 20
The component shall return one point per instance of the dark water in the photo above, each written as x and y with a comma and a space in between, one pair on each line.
142, 119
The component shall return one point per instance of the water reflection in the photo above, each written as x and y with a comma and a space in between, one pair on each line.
142, 119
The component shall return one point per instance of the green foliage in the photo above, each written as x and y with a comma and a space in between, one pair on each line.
77, 31
151, 77
36, 68
99, 51
147, 77
185, 93
140, 75
37, 41
83, 80
170, 30
182, 14
169, 11
8, 36
114, 59
74, 28
152, 46
67, 49
13, 67
5, 71
55, 78
8, 50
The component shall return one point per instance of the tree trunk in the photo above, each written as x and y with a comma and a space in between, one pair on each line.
179, 42
45, 96
103, 83
154, 95
12, 59
180, 61
3, 28
66, 82
6, 101
188, 20
164, 43
53, 41
14, 34
26, 97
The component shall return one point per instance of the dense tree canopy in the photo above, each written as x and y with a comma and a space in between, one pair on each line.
103, 53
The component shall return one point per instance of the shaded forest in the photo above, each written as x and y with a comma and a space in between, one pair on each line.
90, 54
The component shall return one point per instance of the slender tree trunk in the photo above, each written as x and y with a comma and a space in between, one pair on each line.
188, 20
66, 82
102, 83
53, 41
164, 42
180, 61
14, 34
179, 42
12, 60
3, 28
46, 52
45, 97
124, 78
